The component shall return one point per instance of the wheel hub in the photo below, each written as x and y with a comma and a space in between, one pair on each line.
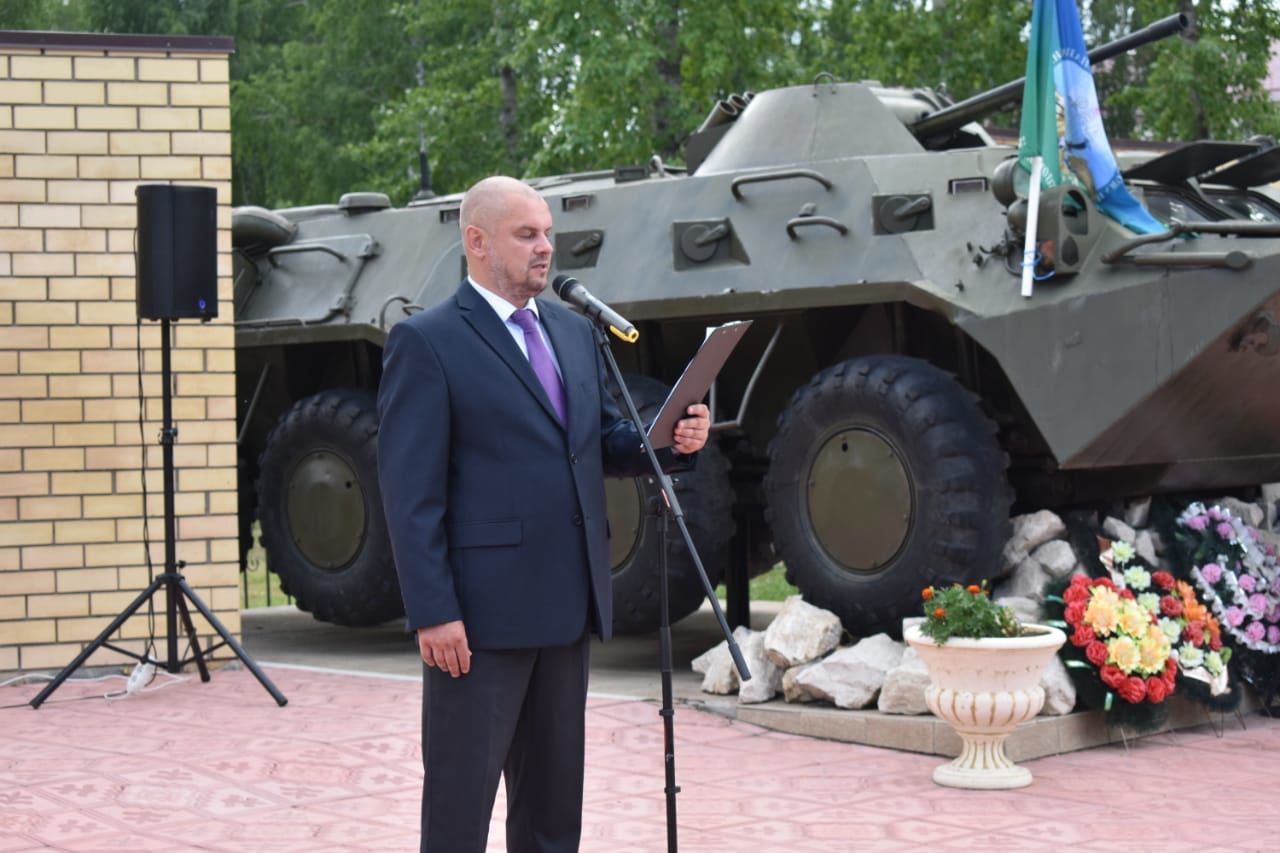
326, 509
859, 500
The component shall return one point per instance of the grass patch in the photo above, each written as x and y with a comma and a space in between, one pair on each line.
770, 586
259, 587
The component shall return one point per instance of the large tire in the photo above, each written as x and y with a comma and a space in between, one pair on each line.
707, 499
885, 477
321, 510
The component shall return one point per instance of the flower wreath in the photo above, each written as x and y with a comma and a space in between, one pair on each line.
1116, 649
1195, 635
1236, 575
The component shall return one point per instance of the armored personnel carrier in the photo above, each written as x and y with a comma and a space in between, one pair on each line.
896, 394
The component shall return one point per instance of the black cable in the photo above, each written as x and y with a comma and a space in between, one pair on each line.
149, 650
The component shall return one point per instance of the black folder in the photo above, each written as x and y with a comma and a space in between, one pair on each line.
693, 384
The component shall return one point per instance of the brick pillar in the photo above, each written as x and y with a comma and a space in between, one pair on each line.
84, 119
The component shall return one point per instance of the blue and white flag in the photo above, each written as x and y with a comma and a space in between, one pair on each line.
1057, 43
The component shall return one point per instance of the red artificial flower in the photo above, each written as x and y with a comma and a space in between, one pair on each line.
1096, 652
1133, 690
1082, 636
1074, 613
1170, 606
1112, 676
1170, 665
1157, 690
1102, 582
1126, 593
1193, 633
1164, 580
1170, 677
1215, 642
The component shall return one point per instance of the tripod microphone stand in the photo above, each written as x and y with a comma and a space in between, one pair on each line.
668, 507
177, 591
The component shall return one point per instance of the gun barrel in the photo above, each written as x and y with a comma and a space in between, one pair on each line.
993, 100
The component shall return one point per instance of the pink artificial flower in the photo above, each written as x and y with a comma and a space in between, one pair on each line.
1273, 635
1234, 616
1270, 549
1215, 513
1254, 632
1247, 583
1211, 572
1257, 603
1198, 522
1225, 530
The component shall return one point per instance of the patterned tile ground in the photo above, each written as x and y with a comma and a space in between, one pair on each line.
219, 767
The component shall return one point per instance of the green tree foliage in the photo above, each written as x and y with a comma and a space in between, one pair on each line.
539, 87
1207, 84
334, 95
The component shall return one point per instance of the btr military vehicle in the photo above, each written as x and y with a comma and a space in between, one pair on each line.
896, 395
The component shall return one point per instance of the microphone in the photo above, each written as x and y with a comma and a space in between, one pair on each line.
571, 290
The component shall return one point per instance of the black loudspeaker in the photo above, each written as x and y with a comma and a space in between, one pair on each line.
177, 252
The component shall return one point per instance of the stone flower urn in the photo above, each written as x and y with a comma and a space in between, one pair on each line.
984, 688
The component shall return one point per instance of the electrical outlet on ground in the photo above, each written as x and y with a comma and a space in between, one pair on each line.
142, 675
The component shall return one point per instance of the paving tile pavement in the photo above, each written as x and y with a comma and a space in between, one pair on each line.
219, 767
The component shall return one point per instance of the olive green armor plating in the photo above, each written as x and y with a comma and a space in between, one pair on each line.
896, 395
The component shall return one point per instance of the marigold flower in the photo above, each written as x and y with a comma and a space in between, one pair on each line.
939, 612
1123, 652
1133, 619
927, 594
1101, 613
973, 589
1153, 651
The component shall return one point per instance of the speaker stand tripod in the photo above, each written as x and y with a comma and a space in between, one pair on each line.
177, 591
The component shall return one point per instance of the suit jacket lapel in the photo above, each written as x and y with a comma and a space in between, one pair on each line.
482, 318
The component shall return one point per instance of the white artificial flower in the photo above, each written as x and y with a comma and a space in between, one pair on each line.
1169, 627
1190, 657
1137, 578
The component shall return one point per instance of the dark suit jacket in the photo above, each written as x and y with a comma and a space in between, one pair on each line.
496, 514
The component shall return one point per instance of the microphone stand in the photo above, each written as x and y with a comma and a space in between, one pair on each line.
668, 507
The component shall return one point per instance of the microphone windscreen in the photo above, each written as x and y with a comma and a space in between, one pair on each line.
561, 284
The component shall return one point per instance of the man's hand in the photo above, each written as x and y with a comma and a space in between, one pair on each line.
445, 646
691, 432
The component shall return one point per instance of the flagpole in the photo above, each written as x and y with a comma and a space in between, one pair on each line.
1033, 217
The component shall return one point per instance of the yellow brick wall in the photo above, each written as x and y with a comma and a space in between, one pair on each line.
79, 130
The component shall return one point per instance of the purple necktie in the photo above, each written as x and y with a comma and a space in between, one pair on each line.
540, 361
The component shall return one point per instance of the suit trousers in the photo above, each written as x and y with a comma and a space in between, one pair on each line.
519, 713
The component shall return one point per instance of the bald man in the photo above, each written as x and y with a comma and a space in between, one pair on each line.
494, 444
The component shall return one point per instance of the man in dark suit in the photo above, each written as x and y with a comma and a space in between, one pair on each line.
494, 443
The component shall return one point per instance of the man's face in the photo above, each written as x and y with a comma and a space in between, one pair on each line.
519, 248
